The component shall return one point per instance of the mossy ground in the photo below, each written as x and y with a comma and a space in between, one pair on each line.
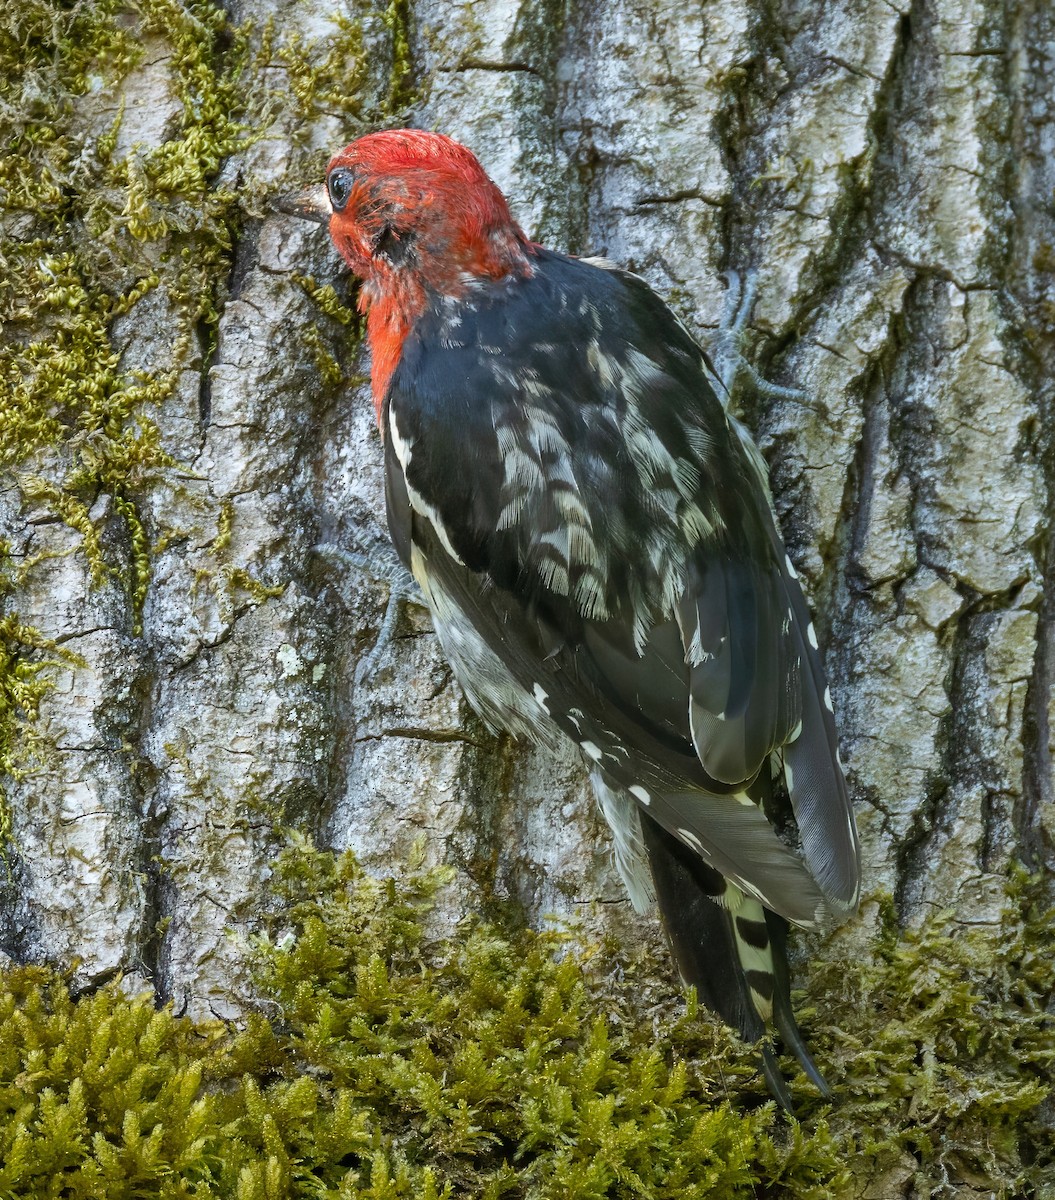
385, 1062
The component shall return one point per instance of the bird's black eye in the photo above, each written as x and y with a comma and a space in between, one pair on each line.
339, 186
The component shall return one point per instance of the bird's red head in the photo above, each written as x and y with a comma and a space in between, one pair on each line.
407, 202
414, 215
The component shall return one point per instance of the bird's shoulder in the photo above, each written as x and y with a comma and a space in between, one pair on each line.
567, 315
568, 420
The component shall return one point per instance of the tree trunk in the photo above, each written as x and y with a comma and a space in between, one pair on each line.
199, 664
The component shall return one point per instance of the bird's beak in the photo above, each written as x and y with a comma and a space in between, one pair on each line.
312, 204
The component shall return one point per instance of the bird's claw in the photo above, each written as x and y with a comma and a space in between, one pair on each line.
383, 566
729, 361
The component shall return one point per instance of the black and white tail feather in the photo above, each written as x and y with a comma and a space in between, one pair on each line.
727, 945
594, 536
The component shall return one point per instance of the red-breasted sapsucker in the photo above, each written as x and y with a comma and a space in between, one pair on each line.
593, 533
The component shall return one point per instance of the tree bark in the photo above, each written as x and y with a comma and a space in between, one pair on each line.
886, 169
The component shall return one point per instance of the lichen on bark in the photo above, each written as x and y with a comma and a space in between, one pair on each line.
123, 206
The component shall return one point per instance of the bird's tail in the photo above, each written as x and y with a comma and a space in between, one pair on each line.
731, 949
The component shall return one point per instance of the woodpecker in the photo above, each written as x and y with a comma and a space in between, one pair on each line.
593, 532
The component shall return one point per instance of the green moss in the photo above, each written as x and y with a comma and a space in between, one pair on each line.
389, 1065
317, 343
333, 77
90, 234
328, 302
224, 526
105, 236
388, 1061
239, 580
397, 19
88, 1088
952, 1066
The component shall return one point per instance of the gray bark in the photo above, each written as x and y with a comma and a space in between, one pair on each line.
887, 169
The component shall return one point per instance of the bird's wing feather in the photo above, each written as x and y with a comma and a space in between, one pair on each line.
593, 515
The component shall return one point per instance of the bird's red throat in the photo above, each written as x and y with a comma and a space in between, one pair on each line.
390, 316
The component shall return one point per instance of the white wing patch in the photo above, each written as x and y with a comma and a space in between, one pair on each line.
404, 452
